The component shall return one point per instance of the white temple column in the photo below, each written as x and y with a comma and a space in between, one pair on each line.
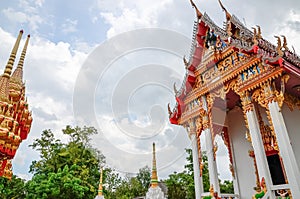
212, 164
196, 166
258, 147
285, 148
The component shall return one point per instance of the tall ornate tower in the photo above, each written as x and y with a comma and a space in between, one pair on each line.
246, 90
154, 192
15, 117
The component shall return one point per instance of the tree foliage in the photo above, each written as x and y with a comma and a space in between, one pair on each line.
68, 170
127, 187
12, 189
181, 185
71, 170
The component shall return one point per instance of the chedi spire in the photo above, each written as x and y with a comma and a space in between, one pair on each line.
100, 188
154, 192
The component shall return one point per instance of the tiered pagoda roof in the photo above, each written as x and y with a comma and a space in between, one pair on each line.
15, 117
212, 44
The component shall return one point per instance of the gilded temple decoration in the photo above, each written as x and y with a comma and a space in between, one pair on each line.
267, 134
279, 47
205, 119
199, 126
199, 155
15, 118
237, 66
215, 149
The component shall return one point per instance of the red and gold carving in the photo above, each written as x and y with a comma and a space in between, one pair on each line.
267, 134
15, 118
199, 127
199, 154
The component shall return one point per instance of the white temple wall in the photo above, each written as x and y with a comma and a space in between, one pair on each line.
292, 123
244, 163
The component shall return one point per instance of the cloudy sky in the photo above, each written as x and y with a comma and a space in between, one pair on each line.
112, 64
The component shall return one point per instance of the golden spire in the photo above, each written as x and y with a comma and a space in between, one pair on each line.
12, 57
18, 73
228, 15
22, 57
100, 188
199, 14
154, 179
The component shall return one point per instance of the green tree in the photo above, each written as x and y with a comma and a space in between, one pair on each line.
226, 186
65, 170
127, 187
144, 178
12, 189
181, 185
112, 181
176, 186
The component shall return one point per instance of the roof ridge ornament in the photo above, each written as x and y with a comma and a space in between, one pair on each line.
228, 15
198, 13
169, 110
258, 32
255, 36
284, 45
186, 63
175, 89
279, 46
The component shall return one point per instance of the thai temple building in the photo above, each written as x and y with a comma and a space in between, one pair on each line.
100, 188
15, 117
246, 90
154, 191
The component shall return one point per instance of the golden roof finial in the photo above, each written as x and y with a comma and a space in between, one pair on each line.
228, 15
198, 13
169, 110
12, 56
258, 32
279, 46
186, 63
100, 189
154, 179
175, 89
284, 45
254, 39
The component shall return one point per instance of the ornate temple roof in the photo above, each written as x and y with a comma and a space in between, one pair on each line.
211, 44
15, 117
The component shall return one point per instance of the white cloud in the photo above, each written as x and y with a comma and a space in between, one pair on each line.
33, 20
290, 27
69, 26
39, 2
141, 14
51, 69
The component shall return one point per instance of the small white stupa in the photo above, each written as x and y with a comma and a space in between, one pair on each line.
154, 192
100, 189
